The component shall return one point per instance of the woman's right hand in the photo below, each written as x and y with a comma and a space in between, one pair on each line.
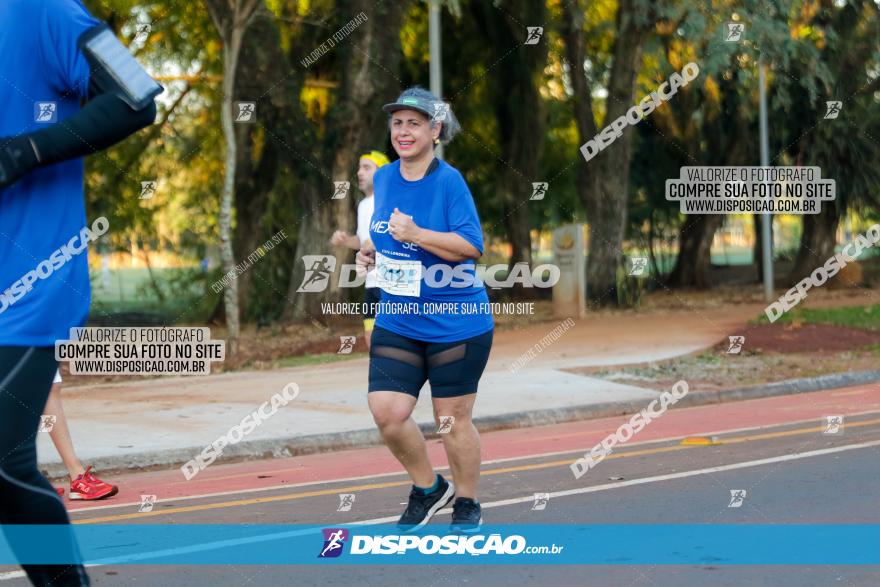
365, 258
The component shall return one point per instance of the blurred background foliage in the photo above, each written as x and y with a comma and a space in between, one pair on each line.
518, 107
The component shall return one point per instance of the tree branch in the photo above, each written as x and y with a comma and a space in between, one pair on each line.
153, 132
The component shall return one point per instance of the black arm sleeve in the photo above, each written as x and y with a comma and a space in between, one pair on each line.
102, 122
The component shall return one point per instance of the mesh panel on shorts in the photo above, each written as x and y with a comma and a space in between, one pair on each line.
456, 353
397, 354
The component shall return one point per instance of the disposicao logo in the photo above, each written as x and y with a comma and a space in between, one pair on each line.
334, 540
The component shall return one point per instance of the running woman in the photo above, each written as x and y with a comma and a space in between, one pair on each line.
55, 54
83, 483
425, 222
367, 166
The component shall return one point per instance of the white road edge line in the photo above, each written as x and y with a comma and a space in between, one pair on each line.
574, 452
531, 498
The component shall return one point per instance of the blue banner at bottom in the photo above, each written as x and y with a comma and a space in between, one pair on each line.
643, 544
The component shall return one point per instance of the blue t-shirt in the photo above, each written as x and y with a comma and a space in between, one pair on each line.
442, 202
44, 210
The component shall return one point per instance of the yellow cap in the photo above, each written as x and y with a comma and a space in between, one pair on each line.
377, 157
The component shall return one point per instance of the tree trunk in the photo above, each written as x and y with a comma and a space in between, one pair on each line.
818, 240
726, 134
757, 248
227, 257
695, 244
260, 153
312, 240
520, 117
356, 124
607, 221
604, 183
516, 223
231, 27
606, 205
358, 120
652, 233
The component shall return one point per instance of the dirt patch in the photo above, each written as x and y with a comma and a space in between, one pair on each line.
263, 348
607, 331
260, 348
802, 338
714, 372
769, 353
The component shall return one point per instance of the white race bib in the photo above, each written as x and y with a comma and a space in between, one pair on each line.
398, 277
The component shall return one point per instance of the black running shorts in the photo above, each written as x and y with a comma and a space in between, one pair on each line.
28, 498
398, 363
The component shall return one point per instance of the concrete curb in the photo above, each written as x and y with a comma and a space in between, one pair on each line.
333, 441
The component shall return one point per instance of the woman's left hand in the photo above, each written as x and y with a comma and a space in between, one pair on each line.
402, 227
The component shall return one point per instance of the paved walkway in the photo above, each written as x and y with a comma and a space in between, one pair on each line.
166, 421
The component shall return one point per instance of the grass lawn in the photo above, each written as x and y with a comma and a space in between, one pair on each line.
867, 317
128, 285
308, 359
129, 291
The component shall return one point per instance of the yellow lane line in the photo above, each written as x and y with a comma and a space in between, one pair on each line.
529, 467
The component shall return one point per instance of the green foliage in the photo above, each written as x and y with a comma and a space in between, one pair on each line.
182, 152
815, 51
187, 293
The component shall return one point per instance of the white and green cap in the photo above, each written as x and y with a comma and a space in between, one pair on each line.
413, 99
421, 100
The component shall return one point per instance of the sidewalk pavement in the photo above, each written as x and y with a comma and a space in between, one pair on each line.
167, 421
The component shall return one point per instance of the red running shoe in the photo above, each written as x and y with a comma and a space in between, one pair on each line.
89, 487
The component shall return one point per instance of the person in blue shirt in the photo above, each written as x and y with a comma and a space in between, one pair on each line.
55, 57
433, 322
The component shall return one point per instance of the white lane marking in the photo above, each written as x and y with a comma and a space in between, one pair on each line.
668, 477
816, 420
493, 504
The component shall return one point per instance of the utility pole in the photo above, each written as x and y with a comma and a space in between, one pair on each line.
435, 49
766, 219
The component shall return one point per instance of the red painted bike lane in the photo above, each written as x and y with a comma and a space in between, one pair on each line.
506, 444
